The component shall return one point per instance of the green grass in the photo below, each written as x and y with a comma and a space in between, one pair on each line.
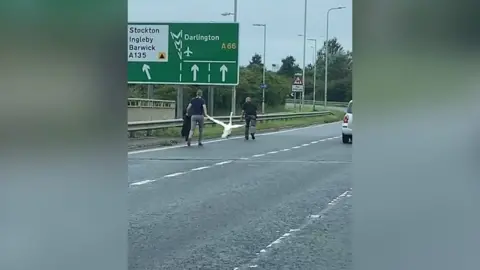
215, 131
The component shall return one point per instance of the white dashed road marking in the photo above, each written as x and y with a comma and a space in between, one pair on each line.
291, 233
170, 175
223, 162
230, 161
201, 168
142, 182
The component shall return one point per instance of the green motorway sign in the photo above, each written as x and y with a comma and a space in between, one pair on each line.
183, 53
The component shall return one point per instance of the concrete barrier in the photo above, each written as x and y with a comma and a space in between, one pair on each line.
150, 109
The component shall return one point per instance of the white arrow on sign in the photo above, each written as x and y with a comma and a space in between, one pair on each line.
146, 69
195, 69
223, 70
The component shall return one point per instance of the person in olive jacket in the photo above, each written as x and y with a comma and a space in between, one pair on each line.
249, 112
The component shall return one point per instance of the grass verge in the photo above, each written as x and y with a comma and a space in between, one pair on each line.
171, 136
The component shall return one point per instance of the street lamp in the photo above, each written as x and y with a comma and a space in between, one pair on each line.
326, 57
304, 51
314, 68
264, 62
234, 88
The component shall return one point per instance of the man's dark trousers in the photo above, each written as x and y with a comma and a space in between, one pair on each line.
250, 120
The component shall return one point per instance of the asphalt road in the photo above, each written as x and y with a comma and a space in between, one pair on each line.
282, 201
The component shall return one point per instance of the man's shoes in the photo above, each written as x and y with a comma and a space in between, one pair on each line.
200, 144
253, 136
188, 143
246, 138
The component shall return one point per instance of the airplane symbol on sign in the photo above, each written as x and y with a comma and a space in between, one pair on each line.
188, 52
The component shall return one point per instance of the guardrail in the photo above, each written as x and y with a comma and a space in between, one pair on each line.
150, 103
318, 102
150, 126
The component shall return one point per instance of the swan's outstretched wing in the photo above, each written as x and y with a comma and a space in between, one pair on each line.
216, 121
237, 126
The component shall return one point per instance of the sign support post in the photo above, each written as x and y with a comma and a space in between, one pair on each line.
179, 102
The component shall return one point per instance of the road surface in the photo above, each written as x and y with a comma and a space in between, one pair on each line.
282, 201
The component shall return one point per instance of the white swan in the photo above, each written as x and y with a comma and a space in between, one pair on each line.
227, 128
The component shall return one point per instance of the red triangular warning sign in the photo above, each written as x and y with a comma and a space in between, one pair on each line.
297, 81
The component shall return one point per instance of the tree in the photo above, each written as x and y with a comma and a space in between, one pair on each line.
339, 71
256, 61
289, 67
334, 48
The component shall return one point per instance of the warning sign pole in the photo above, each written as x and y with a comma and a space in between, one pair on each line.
297, 86
295, 101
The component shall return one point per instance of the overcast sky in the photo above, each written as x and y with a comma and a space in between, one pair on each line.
284, 19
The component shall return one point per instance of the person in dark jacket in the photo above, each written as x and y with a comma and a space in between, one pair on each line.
249, 112
187, 123
197, 111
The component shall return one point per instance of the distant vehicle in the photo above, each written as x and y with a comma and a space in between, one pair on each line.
347, 125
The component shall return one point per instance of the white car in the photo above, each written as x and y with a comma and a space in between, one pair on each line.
347, 125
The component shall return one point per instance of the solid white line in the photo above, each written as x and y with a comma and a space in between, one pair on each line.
231, 138
285, 150
272, 152
258, 155
305, 144
296, 147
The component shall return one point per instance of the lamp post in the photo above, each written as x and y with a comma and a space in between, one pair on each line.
234, 88
314, 68
326, 57
314, 72
304, 51
264, 62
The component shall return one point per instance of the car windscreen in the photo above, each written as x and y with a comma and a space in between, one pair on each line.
349, 109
